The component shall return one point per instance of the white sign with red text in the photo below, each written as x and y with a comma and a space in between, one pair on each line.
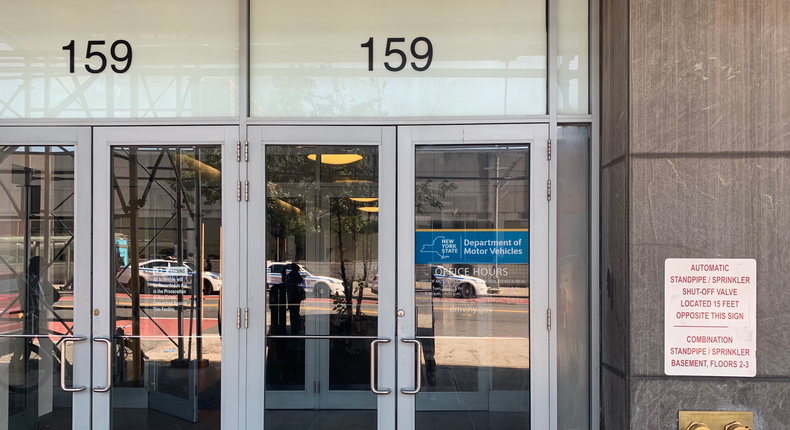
710, 322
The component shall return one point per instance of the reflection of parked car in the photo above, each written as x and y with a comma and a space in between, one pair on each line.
168, 272
314, 285
465, 286
374, 284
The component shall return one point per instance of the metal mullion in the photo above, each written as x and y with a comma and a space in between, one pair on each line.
115, 122
254, 238
552, 24
399, 121
594, 215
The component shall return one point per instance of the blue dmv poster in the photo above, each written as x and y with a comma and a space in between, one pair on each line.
504, 246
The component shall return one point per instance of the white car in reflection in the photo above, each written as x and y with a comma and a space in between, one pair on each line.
314, 285
164, 273
451, 283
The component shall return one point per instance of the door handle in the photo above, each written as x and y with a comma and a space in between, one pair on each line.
418, 387
373, 348
109, 365
63, 386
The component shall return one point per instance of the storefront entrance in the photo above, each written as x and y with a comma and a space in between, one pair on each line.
341, 277
420, 253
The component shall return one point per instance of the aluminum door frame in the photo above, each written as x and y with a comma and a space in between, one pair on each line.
80, 139
381, 136
104, 139
536, 135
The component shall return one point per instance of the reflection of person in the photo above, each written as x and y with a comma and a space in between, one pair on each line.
207, 266
33, 303
427, 334
32, 297
296, 295
278, 300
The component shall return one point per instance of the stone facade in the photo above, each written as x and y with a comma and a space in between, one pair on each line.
695, 163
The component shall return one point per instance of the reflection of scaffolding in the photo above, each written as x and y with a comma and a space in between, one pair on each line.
131, 208
28, 211
161, 93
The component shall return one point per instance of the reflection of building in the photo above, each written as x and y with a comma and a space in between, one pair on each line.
157, 226
37, 183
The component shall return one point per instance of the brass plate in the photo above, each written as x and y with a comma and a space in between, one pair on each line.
716, 420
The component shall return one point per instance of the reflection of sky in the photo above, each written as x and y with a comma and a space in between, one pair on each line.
41, 149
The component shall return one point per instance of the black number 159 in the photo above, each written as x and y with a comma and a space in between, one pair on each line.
127, 57
427, 56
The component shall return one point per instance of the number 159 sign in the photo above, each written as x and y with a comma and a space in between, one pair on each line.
421, 49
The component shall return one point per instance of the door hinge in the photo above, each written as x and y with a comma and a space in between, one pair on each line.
246, 318
238, 191
238, 152
246, 191
238, 318
549, 150
548, 190
548, 319
246, 151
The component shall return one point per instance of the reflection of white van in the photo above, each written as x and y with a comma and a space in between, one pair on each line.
316, 286
465, 286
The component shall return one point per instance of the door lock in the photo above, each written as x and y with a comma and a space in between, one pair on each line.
401, 313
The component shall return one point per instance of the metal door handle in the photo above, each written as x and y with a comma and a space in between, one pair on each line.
419, 367
373, 348
63, 386
109, 365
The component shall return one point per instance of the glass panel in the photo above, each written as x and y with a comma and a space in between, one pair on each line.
163, 59
573, 277
167, 228
322, 280
472, 291
36, 284
573, 64
463, 57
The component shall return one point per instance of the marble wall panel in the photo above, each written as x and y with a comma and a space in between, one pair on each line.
614, 401
715, 206
614, 266
655, 403
614, 79
709, 77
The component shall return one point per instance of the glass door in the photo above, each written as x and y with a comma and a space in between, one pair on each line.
45, 292
320, 311
462, 342
473, 246
165, 197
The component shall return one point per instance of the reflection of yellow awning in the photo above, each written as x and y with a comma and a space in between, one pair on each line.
369, 208
208, 173
287, 206
353, 181
364, 199
336, 158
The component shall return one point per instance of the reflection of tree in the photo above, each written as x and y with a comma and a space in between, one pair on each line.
293, 181
324, 96
210, 163
348, 220
428, 193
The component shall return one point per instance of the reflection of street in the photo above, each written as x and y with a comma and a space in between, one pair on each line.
479, 317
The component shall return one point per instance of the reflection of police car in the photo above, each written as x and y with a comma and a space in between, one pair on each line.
167, 273
316, 286
465, 286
